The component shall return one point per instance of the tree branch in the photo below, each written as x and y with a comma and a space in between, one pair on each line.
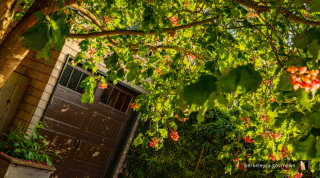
289, 14
136, 32
177, 48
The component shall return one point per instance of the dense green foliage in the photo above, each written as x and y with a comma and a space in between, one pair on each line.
237, 54
20, 145
197, 154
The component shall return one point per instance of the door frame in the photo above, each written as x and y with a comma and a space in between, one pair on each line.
127, 137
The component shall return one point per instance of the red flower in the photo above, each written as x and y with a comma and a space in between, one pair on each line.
154, 142
103, 86
134, 105
272, 157
298, 175
276, 135
292, 69
247, 139
192, 56
264, 118
185, 119
241, 166
174, 135
302, 70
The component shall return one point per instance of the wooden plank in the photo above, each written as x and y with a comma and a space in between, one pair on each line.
20, 162
13, 105
6, 92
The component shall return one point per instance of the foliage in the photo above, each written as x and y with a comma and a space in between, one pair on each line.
22, 146
230, 54
203, 150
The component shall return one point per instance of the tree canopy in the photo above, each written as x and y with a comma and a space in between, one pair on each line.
258, 59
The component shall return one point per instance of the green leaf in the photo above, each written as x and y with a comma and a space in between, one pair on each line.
314, 49
307, 149
284, 83
314, 119
301, 41
314, 6
120, 73
45, 53
198, 93
132, 74
49, 162
299, 2
315, 107
36, 37
41, 16
296, 116
84, 45
244, 76
228, 168
303, 99
150, 72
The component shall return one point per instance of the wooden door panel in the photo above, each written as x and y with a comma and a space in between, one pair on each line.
104, 126
11, 95
93, 153
59, 142
67, 112
81, 174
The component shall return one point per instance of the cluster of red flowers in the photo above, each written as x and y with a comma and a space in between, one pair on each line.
272, 157
241, 166
276, 135
67, 11
265, 134
87, 29
251, 14
28, 161
134, 105
174, 135
265, 118
301, 78
92, 51
298, 175
248, 155
154, 142
184, 120
192, 56
284, 152
246, 120
158, 70
103, 86
247, 139
175, 20
186, 4
108, 19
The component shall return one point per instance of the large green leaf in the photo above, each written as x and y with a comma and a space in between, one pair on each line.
307, 147
284, 83
244, 76
36, 37
301, 40
303, 99
314, 119
296, 116
314, 6
198, 93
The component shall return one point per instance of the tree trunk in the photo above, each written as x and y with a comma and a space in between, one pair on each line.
7, 11
12, 49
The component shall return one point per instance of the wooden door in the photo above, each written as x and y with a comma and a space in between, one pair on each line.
85, 135
11, 95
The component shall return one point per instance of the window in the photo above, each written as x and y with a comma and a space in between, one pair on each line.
71, 78
115, 98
